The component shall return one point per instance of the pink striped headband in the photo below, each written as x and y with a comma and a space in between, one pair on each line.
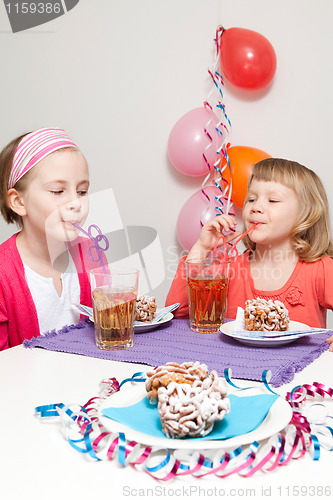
34, 147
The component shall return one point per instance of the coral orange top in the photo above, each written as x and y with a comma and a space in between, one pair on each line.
307, 294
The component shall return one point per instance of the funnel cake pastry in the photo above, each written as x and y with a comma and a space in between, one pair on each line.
190, 399
266, 315
145, 309
186, 373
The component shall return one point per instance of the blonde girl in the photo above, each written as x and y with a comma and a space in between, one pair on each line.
289, 252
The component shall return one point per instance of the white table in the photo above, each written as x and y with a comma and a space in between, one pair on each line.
37, 462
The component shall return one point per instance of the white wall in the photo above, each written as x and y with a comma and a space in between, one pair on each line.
117, 75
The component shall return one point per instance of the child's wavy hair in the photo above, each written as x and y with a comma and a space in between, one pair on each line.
311, 235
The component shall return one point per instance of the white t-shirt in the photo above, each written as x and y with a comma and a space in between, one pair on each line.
55, 312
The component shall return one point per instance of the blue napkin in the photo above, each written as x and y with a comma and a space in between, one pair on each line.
246, 414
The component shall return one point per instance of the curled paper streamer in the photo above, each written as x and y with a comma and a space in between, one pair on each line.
323, 427
223, 129
87, 435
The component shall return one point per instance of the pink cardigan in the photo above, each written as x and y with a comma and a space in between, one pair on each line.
18, 315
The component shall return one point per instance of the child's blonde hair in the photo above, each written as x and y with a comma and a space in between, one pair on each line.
311, 235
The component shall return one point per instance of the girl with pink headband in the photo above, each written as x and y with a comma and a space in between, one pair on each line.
43, 267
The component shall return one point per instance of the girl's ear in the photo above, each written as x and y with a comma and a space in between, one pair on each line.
16, 202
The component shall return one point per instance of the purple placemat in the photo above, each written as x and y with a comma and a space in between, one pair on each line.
176, 342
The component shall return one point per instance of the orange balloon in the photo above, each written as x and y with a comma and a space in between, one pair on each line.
242, 159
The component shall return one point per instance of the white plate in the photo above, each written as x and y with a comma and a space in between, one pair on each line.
277, 418
140, 326
228, 329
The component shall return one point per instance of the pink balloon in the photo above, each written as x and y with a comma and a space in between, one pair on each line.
188, 140
195, 209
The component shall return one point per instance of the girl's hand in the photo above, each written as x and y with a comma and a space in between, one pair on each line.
330, 340
209, 234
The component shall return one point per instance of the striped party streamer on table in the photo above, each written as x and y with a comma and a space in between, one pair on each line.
85, 432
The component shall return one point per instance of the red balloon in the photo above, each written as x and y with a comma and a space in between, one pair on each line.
247, 58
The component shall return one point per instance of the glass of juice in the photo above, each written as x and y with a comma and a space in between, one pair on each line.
114, 293
207, 287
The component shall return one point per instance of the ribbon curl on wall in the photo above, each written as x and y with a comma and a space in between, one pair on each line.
198, 143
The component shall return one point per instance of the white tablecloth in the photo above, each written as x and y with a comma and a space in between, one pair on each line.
37, 462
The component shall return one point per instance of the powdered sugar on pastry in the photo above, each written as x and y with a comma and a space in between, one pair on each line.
266, 315
191, 411
190, 399
145, 308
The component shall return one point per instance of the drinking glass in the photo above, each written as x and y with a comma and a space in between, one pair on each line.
114, 293
207, 286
